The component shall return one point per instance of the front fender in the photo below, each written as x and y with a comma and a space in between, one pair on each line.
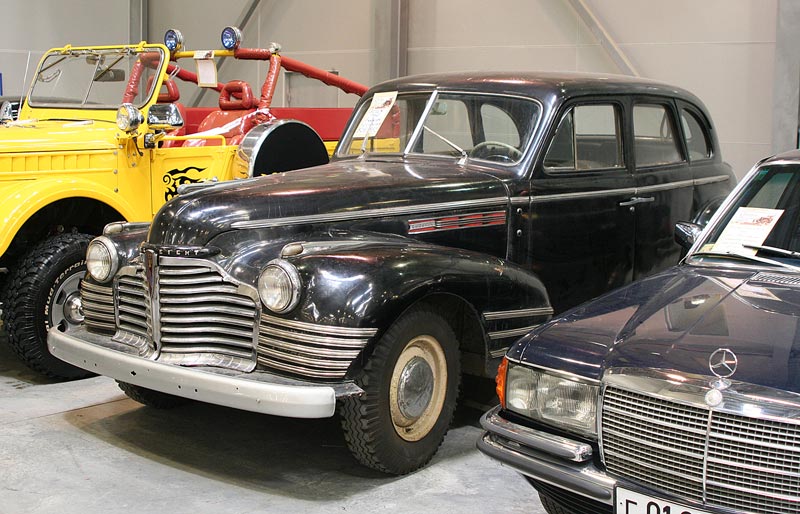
21, 199
369, 283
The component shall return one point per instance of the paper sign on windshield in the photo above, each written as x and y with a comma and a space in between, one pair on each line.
749, 226
378, 110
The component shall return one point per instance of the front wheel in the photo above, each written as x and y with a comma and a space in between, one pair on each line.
410, 390
44, 292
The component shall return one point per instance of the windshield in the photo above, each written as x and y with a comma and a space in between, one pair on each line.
762, 224
96, 79
454, 125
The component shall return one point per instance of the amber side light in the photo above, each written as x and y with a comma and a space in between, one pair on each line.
500, 380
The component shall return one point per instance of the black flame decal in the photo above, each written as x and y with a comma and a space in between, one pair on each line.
176, 177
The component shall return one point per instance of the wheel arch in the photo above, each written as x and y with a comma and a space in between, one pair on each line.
85, 214
371, 284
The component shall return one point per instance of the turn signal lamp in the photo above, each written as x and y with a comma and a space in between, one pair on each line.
173, 40
500, 381
231, 38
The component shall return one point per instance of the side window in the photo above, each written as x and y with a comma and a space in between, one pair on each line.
654, 136
588, 137
697, 140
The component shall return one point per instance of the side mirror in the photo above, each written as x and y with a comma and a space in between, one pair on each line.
164, 117
687, 233
6, 111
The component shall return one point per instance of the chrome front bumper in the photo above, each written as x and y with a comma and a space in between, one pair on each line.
542, 456
255, 391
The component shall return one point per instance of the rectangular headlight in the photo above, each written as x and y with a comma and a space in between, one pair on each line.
555, 400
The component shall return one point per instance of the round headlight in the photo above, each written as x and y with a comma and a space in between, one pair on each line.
173, 40
279, 286
129, 118
102, 260
231, 37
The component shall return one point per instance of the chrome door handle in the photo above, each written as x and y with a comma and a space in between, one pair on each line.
637, 199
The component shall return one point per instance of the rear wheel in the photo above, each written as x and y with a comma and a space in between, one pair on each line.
410, 390
42, 292
155, 399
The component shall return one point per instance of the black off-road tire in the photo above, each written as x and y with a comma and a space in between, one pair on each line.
30, 298
155, 399
372, 434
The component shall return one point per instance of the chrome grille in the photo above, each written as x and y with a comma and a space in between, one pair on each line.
201, 312
751, 464
309, 349
98, 307
133, 304
195, 316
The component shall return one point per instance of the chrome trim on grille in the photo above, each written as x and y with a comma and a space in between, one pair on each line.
656, 429
519, 313
309, 349
369, 213
189, 311
98, 307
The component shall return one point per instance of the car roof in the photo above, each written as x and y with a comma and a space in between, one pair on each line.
792, 156
537, 84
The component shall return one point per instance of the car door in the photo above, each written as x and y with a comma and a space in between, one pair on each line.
664, 183
581, 242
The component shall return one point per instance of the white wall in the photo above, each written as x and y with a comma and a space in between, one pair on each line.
722, 50
31, 27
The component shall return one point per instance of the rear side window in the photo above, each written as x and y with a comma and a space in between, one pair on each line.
654, 141
697, 140
588, 137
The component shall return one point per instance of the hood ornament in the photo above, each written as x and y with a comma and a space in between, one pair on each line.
722, 363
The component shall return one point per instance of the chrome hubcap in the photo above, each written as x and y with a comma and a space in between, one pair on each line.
67, 307
415, 388
418, 388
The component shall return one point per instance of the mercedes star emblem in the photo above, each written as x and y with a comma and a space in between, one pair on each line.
723, 363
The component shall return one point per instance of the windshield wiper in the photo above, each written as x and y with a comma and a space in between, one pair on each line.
773, 250
751, 258
107, 68
452, 145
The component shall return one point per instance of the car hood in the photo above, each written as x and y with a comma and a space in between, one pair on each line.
343, 192
674, 321
26, 136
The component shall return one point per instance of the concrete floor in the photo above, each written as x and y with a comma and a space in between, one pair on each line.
83, 447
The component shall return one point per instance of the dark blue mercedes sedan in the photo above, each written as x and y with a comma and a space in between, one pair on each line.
678, 394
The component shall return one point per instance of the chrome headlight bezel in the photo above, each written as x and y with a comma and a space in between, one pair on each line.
104, 265
555, 399
279, 277
129, 118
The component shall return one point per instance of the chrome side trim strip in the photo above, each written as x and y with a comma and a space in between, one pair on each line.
514, 332
370, 213
583, 194
519, 313
495, 354
630, 190
665, 187
319, 329
711, 180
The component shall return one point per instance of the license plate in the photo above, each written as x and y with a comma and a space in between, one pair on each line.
630, 502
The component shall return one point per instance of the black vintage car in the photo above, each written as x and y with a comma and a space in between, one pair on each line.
460, 211
679, 393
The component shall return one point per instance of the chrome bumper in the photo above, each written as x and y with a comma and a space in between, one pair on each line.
255, 391
542, 456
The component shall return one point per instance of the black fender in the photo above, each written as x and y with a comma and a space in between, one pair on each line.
369, 282
281, 145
